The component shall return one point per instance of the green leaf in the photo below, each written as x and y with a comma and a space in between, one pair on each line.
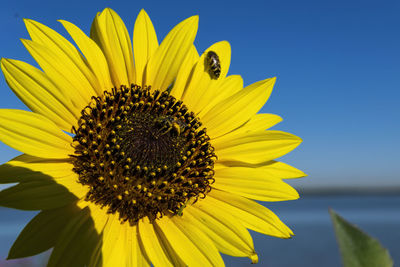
356, 247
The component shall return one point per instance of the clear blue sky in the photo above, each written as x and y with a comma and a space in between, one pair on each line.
337, 63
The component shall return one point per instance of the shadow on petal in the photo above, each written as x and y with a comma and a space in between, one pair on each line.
63, 222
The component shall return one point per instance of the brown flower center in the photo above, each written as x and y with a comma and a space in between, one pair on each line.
142, 153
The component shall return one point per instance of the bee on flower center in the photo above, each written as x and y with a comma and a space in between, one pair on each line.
214, 64
168, 124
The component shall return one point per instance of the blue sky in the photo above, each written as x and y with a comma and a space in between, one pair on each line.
337, 64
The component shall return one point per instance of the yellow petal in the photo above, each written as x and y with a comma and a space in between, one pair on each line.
108, 233
152, 245
163, 66
114, 243
282, 170
260, 122
65, 52
257, 123
62, 73
174, 258
203, 87
100, 219
253, 183
145, 43
192, 245
185, 73
134, 254
25, 168
234, 111
228, 235
251, 214
110, 33
256, 147
38, 93
47, 173
271, 168
37, 195
226, 88
33, 134
42, 232
80, 230
70, 182
98, 214
94, 56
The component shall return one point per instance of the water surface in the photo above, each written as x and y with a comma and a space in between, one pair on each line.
314, 241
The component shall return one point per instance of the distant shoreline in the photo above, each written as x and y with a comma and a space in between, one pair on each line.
392, 191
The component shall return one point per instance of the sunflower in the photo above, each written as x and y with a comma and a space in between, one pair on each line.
150, 155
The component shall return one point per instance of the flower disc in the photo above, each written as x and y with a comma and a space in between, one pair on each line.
142, 154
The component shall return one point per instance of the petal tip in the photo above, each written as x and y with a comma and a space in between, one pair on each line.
27, 21
193, 19
3, 60
109, 11
254, 258
142, 12
295, 194
24, 41
226, 43
13, 254
143, 16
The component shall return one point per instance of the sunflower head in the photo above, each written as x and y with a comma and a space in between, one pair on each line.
165, 154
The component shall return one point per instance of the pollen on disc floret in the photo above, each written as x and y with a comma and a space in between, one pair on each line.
142, 153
